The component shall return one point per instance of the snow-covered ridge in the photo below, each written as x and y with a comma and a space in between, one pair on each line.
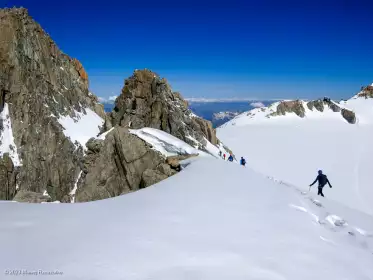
169, 145
7, 144
163, 142
214, 220
355, 110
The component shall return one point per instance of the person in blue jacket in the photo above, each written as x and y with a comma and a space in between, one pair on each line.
242, 161
230, 158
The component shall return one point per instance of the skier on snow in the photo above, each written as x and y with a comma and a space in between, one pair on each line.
242, 161
224, 156
323, 180
230, 158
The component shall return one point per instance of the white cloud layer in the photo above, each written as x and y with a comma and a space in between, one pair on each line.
107, 100
257, 104
254, 101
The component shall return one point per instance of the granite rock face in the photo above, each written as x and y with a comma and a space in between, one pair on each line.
120, 164
148, 101
41, 84
8, 187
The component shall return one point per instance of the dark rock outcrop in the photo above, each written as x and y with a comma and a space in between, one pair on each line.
41, 84
334, 107
317, 104
119, 164
8, 173
31, 197
294, 106
148, 101
366, 92
349, 116
150, 177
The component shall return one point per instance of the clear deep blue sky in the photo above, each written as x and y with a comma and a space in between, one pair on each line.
261, 49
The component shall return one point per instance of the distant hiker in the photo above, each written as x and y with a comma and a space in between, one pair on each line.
242, 161
230, 158
224, 156
219, 153
323, 180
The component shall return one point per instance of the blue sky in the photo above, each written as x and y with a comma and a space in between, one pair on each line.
245, 49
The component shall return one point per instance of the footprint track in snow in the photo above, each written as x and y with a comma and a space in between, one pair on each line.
328, 220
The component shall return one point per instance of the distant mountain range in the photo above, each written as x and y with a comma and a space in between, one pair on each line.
215, 110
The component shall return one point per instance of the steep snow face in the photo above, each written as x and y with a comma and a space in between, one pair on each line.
362, 107
7, 144
163, 142
169, 145
292, 149
214, 220
82, 127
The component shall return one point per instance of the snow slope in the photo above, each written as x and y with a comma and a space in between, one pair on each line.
82, 127
7, 144
169, 145
292, 149
163, 142
214, 220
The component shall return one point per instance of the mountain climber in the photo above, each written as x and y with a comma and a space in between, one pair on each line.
230, 158
323, 180
242, 161
219, 153
224, 156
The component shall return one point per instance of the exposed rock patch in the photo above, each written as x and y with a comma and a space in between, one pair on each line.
31, 197
294, 106
317, 104
349, 116
366, 92
7, 178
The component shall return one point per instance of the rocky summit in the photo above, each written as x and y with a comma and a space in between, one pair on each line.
56, 142
148, 101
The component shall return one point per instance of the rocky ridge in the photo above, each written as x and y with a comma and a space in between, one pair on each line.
56, 142
40, 84
299, 107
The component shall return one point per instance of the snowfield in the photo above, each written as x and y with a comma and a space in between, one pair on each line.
82, 127
214, 220
292, 149
7, 144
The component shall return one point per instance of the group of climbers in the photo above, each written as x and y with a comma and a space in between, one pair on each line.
231, 158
